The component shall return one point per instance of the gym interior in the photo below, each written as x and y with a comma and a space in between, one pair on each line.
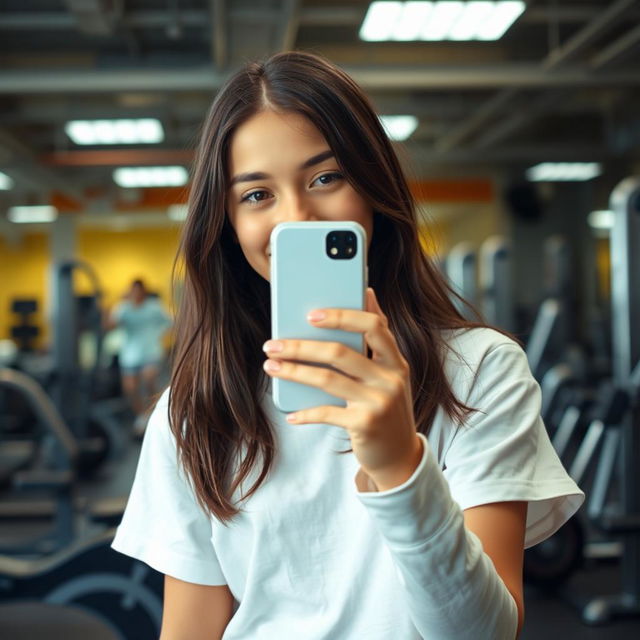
522, 145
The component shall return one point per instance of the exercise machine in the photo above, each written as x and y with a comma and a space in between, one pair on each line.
79, 572
622, 444
461, 269
100, 434
496, 289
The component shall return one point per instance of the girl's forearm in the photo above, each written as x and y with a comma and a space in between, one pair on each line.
451, 587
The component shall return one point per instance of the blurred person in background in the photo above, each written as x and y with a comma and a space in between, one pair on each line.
143, 322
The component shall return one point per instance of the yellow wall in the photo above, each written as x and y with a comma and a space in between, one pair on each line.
444, 226
117, 257
120, 257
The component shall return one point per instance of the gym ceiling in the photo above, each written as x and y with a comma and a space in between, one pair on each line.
562, 84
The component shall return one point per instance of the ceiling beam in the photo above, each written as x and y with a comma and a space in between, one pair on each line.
22, 162
587, 34
525, 154
309, 16
484, 113
519, 118
556, 58
617, 48
95, 17
381, 78
116, 157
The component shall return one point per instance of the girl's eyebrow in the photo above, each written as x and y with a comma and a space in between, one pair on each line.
258, 175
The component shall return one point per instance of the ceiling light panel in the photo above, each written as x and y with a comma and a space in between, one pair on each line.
177, 212
504, 15
131, 177
564, 171
601, 219
32, 214
466, 23
6, 182
409, 25
435, 21
399, 127
442, 19
380, 20
109, 132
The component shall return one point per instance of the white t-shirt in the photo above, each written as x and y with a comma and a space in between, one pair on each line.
306, 558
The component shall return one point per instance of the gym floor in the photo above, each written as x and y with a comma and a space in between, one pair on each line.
554, 616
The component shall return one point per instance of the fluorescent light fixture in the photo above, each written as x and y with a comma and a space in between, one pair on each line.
564, 171
143, 130
6, 182
399, 127
443, 20
380, 20
409, 24
27, 214
602, 219
504, 15
150, 176
466, 26
177, 212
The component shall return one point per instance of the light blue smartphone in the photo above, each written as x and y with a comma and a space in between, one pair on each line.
314, 265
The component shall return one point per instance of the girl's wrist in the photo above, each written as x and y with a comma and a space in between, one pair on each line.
394, 477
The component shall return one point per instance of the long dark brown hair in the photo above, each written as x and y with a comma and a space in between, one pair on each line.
217, 381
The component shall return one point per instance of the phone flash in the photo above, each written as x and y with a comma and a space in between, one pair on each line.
333, 251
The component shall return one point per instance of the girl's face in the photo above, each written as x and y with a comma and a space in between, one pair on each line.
283, 170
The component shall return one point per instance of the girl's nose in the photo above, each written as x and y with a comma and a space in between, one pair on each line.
298, 210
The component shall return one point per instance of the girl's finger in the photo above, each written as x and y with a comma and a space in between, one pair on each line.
328, 380
325, 414
374, 327
334, 354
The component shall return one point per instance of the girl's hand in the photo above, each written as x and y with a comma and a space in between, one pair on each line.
379, 411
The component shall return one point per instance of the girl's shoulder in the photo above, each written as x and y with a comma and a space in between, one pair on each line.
472, 346
481, 355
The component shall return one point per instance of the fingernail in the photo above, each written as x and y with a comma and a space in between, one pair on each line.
292, 417
313, 316
271, 365
272, 346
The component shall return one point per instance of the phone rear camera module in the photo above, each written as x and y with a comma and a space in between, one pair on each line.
341, 245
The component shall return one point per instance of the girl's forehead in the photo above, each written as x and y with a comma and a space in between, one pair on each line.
272, 134
268, 124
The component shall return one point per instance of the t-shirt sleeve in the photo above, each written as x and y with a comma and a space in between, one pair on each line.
503, 452
163, 525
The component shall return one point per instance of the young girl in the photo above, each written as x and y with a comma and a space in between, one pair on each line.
405, 513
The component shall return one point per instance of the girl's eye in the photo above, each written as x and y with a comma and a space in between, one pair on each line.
328, 178
254, 197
